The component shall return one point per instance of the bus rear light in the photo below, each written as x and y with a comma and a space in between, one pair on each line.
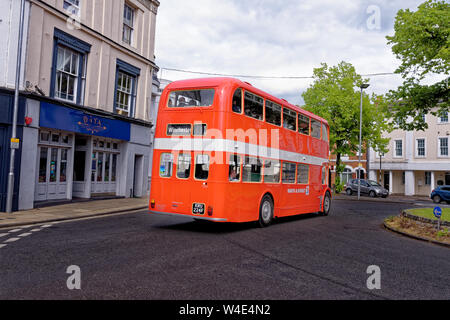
152, 204
210, 211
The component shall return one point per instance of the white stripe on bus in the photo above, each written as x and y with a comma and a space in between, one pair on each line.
230, 146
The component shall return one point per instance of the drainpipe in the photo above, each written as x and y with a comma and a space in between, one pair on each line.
14, 144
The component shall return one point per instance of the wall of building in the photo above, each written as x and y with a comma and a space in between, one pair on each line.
9, 29
106, 20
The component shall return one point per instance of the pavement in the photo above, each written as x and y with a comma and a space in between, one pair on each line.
391, 198
71, 211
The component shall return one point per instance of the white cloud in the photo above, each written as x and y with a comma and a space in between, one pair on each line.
276, 38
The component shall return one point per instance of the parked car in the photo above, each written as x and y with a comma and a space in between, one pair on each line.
369, 187
441, 193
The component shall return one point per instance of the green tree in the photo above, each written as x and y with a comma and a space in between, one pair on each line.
335, 96
421, 41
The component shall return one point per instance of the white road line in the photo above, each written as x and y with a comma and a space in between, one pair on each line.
24, 235
46, 226
35, 230
3, 245
4, 234
15, 230
12, 239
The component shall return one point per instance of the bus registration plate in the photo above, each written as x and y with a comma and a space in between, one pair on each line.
198, 208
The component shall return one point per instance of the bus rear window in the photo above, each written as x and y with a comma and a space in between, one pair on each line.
191, 98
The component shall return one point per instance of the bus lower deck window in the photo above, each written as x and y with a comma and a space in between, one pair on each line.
166, 165
288, 172
234, 172
303, 174
271, 171
202, 167
184, 166
251, 171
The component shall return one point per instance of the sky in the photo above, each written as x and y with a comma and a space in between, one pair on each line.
280, 38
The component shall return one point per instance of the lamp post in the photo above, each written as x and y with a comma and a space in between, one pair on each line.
13, 147
363, 86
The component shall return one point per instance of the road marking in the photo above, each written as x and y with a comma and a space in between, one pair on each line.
3, 245
46, 226
4, 234
12, 239
15, 230
35, 230
24, 235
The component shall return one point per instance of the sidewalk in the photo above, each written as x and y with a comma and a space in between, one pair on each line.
71, 211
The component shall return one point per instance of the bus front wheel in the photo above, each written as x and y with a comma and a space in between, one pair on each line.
266, 211
326, 205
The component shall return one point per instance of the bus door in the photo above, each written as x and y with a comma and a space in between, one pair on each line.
181, 194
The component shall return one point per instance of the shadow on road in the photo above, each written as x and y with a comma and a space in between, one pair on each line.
219, 228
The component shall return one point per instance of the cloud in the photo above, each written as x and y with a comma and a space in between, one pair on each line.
278, 38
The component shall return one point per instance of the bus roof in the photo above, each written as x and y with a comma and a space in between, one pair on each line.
224, 81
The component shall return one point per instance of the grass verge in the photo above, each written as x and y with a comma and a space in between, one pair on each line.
419, 229
428, 213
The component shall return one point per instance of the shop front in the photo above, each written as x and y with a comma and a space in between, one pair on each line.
79, 153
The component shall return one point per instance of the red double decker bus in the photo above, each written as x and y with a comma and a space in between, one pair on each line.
225, 151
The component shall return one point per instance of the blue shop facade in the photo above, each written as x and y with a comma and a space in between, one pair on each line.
70, 152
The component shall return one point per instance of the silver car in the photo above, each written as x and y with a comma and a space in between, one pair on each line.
369, 187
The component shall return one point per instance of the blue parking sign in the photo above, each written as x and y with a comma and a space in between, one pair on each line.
437, 212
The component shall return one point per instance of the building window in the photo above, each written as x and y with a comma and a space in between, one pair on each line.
72, 6
443, 117
443, 147
398, 148
420, 148
125, 93
346, 175
128, 23
69, 68
427, 178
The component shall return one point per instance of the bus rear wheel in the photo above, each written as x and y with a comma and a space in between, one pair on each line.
266, 211
326, 205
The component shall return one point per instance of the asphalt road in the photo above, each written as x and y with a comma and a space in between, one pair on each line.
142, 256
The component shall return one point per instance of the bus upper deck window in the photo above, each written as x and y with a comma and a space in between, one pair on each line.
184, 166
234, 171
324, 132
237, 101
315, 129
253, 106
191, 98
166, 165
273, 113
202, 167
303, 124
289, 119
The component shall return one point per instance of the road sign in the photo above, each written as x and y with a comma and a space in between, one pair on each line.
15, 143
437, 212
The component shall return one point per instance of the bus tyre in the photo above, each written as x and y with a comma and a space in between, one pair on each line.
326, 205
266, 211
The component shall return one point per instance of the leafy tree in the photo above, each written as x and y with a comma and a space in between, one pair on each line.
335, 96
421, 41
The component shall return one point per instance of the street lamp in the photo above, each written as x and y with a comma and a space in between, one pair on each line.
363, 86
